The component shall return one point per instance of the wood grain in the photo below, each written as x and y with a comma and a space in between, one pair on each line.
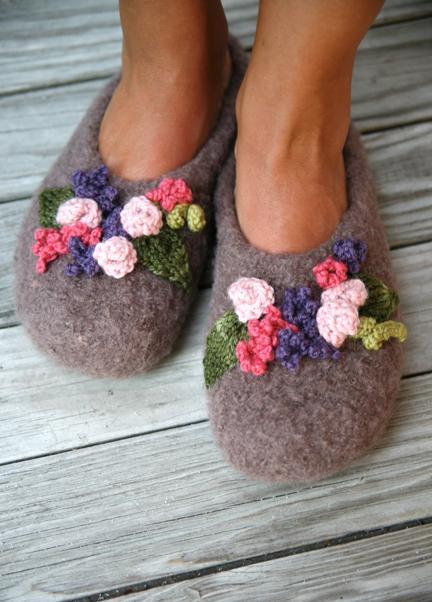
48, 43
394, 567
146, 507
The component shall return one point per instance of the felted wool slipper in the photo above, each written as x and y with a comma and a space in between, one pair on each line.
106, 269
303, 357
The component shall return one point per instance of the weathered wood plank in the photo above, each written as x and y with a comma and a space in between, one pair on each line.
125, 512
48, 43
58, 409
391, 567
392, 84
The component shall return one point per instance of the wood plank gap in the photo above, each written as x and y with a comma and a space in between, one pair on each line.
365, 131
105, 441
380, 25
258, 559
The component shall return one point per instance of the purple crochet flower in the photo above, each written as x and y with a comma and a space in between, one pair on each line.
300, 308
83, 259
93, 184
351, 252
112, 226
293, 346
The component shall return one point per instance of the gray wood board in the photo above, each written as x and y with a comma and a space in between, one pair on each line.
394, 567
106, 516
46, 43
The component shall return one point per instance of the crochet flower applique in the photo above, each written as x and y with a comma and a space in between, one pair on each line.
312, 322
86, 222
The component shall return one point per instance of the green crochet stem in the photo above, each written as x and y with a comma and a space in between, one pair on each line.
373, 334
196, 218
220, 354
192, 215
382, 300
176, 218
50, 200
166, 256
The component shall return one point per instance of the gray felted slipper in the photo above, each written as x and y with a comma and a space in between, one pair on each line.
303, 357
106, 269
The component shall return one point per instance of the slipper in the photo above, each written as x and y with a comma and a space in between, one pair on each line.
106, 269
303, 356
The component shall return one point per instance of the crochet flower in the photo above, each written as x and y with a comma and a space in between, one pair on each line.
141, 217
251, 298
299, 308
84, 262
112, 226
351, 252
330, 273
351, 291
338, 316
93, 184
170, 193
77, 210
249, 361
116, 256
51, 243
336, 320
293, 346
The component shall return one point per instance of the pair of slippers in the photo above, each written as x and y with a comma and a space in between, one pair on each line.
303, 356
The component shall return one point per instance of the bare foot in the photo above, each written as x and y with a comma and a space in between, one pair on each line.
174, 70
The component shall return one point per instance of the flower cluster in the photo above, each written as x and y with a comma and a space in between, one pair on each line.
98, 233
308, 323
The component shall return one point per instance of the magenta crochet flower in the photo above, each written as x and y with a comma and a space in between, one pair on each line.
330, 273
116, 256
170, 193
141, 217
251, 298
75, 210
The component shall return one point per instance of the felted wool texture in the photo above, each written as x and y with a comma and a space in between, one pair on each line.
303, 426
103, 326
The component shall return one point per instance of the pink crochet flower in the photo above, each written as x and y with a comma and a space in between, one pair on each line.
141, 217
336, 320
351, 291
251, 298
75, 210
170, 193
338, 316
249, 361
53, 242
116, 256
330, 273
258, 351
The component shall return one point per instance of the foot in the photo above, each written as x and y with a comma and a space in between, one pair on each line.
290, 184
164, 107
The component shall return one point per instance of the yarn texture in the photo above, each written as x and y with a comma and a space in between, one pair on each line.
304, 424
102, 325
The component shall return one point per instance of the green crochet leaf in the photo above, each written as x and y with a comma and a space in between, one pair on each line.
382, 300
49, 201
222, 340
166, 256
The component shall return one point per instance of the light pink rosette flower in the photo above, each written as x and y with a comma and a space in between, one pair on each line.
352, 291
338, 316
336, 320
251, 298
141, 217
116, 256
76, 210
170, 193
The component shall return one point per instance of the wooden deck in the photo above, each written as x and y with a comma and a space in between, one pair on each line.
114, 489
